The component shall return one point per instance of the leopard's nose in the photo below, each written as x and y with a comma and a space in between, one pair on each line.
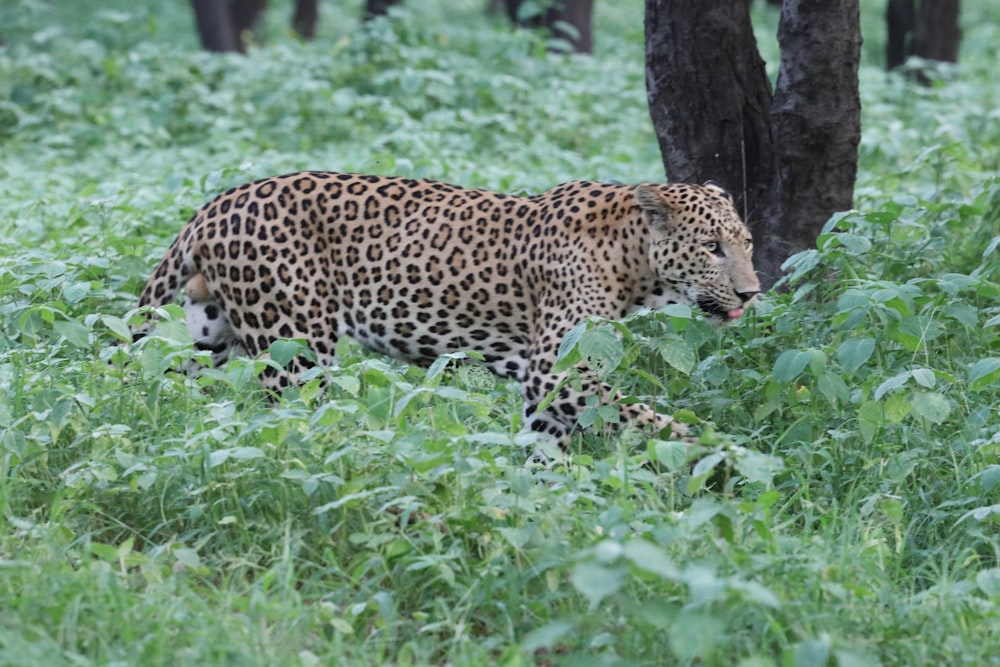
746, 296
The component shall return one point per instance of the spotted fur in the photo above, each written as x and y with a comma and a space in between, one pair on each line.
416, 268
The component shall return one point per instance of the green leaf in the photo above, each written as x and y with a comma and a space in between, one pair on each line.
854, 352
595, 581
671, 453
833, 387
436, 368
651, 558
758, 466
984, 373
892, 384
897, 408
282, 351
931, 405
117, 326
677, 353
602, 349
547, 636
924, 377
870, 418
988, 582
812, 653
790, 365
73, 331
569, 354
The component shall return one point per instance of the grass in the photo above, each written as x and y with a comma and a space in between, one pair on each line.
839, 509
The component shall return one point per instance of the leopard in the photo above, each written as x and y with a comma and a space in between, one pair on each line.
416, 269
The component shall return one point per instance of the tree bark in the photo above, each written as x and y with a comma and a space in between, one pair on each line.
928, 30
245, 14
816, 121
789, 160
215, 26
576, 14
375, 8
937, 33
709, 95
305, 18
899, 21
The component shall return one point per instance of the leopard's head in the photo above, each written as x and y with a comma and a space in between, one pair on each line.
699, 247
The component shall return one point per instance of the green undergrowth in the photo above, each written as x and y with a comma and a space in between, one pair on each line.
838, 505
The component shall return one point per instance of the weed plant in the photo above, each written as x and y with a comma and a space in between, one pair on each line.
839, 508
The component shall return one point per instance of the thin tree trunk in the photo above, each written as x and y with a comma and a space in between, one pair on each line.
937, 33
928, 29
576, 14
375, 8
709, 95
899, 21
215, 26
245, 14
816, 120
305, 18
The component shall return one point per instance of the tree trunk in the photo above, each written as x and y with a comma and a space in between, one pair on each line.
816, 121
215, 26
899, 20
245, 14
937, 33
375, 8
928, 30
305, 18
709, 95
569, 20
790, 163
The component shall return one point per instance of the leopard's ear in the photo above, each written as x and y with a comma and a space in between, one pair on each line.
655, 206
712, 185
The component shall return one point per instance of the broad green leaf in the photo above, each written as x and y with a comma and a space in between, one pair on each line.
707, 464
833, 387
812, 653
897, 407
651, 558
282, 351
854, 352
602, 349
988, 581
984, 373
695, 635
677, 353
924, 377
436, 368
758, 466
117, 326
790, 365
73, 331
569, 350
547, 636
892, 384
349, 383
595, 581
671, 453
870, 418
931, 405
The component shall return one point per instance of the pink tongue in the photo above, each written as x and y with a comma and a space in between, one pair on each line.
733, 314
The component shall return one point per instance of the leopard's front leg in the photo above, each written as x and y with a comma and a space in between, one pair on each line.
562, 414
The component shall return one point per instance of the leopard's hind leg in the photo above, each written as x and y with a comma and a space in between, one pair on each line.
207, 322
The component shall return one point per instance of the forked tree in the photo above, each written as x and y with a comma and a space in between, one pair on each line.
788, 155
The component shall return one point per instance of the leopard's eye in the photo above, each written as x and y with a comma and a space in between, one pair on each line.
714, 248
748, 244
